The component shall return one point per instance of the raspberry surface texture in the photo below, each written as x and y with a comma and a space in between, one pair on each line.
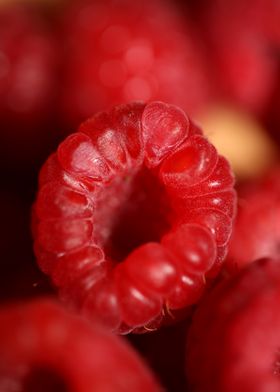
122, 51
44, 348
133, 215
233, 344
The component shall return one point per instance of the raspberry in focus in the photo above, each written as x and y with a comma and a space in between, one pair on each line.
133, 215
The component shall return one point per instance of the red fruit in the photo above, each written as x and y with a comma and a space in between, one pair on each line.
233, 344
256, 232
44, 348
243, 62
129, 51
27, 77
263, 16
133, 211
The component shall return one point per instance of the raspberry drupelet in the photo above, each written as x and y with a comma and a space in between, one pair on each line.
133, 215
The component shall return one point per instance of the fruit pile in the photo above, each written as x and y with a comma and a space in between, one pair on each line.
139, 196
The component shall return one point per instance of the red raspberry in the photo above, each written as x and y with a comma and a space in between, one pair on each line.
133, 211
256, 232
263, 17
243, 63
126, 51
43, 348
233, 344
27, 77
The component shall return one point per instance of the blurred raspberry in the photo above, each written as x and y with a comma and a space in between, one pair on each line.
233, 344
243, 60
256, 232
28, 64
44, 348
124, 51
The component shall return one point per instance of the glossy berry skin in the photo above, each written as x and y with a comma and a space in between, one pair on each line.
133, 213
42, 347
239, 349
28, 66
256, 231
126, 51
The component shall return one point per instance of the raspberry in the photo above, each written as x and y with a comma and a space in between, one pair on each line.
259, 209
133, 212
129, 51
264, 18
243, 63
28, 67
239, 349
44, 348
